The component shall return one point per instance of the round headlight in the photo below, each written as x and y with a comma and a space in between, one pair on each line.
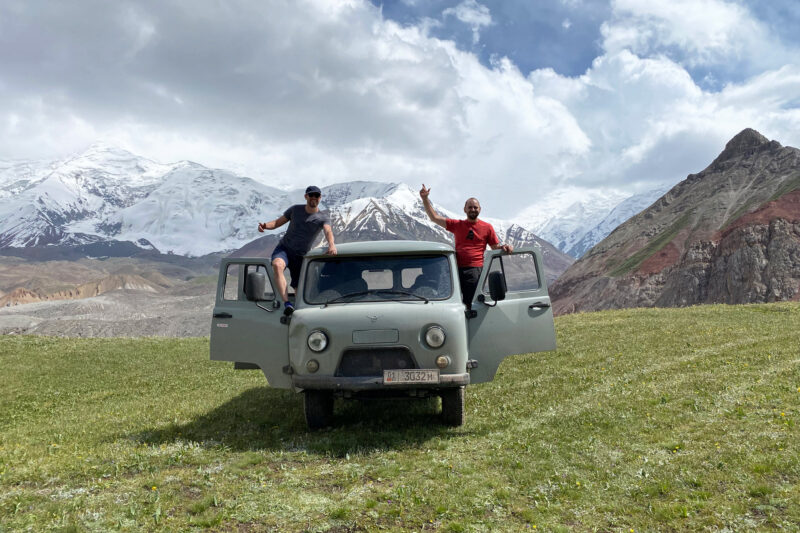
317, 341
435, 336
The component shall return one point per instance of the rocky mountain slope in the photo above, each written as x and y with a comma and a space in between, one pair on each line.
730, 234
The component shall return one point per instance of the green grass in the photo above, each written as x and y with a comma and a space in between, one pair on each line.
664, 419
654, 246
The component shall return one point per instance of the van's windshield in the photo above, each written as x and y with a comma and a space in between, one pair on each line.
379, 278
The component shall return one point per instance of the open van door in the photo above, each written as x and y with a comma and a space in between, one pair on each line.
250, 331
521, 322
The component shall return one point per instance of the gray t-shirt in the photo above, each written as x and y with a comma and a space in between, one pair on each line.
303, 228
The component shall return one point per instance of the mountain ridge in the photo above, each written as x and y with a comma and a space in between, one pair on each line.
108, 195
677, 252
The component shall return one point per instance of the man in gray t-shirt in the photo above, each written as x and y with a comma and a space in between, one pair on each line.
305, 223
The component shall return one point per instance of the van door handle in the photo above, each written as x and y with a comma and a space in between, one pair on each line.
538, 304
223, 315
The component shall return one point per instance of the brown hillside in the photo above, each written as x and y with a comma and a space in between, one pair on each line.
22, 295
728, 234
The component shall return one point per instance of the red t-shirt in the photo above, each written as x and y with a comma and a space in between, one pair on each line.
469, 252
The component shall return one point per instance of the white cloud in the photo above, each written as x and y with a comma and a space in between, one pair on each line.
322, 92
32, 128
472, 13
523, 143
295, 92
649, 122
140, 28
695, 32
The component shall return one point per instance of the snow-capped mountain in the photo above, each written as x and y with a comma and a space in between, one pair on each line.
110, 195
516, 235
16, 176
575, 220
369, 210
363, 211
396, 214
192, 211
621, 213
567, 215
91, 186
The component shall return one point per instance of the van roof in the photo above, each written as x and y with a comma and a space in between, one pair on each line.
384, 247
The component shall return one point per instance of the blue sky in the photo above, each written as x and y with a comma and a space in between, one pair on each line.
510, 101
559, 35
566, 35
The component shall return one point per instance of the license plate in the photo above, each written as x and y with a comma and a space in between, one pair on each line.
403, 377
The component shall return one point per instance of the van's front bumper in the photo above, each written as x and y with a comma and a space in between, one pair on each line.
336, 383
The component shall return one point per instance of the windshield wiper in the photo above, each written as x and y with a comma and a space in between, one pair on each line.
379, 291
348, 295
404, 293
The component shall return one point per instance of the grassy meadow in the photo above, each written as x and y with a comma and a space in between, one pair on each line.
643, 420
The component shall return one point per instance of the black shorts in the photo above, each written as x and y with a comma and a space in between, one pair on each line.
468, 277
293, 260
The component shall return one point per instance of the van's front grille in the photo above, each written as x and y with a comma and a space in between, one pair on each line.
372, 362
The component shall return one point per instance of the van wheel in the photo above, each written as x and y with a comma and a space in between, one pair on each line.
453, 406
318, 406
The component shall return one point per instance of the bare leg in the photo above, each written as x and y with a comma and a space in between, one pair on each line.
278, 266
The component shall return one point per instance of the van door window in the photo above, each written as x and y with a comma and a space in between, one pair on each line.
519, 271
231, 291
269, 292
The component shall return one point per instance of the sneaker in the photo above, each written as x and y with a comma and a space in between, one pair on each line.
288, 308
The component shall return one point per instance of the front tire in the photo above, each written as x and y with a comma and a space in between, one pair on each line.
453, 406
318, 407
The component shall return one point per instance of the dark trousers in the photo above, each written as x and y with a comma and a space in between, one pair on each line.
468, 277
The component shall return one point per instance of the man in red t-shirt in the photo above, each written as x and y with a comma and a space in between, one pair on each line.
472, 236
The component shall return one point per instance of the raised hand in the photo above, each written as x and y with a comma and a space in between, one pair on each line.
423, 193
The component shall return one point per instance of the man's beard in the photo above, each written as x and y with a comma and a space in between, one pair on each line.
472, 216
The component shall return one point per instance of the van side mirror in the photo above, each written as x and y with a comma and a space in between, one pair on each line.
497, 286
255, 285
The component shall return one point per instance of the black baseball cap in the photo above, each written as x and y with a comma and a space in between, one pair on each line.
313, 188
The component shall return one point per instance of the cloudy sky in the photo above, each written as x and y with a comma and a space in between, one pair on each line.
506, 100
